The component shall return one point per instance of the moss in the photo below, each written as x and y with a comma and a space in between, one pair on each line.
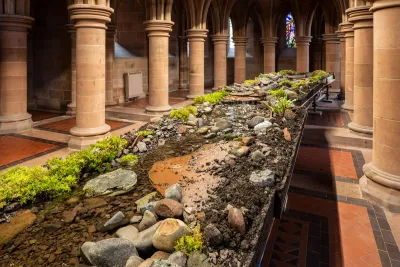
129, 160
278, 93
320, 73
287, 72
144, 133
286, 82
299, 84
251, 82
229, 136
238, 139
190, 243
213, 98
183, 113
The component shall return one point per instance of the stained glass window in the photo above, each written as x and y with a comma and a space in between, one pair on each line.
290, 31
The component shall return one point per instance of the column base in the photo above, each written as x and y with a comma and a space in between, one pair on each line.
80, 143
89, 132
360, 128
348, 107
15, 124
158, 110
193, 96
71, 110
381, 188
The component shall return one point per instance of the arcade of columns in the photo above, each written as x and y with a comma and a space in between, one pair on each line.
362, 50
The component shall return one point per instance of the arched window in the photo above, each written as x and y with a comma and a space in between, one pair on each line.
290, 31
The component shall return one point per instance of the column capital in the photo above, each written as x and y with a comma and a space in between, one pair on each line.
331, 38
71, 29
15, 22
220, 38
269, 41
90, 16
384, 4
198, 35
240, 41
361, 16
341, 36
303, 40
158, 27
347, 29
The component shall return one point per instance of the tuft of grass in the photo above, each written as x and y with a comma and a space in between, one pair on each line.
190, 243
183, 113
144, 133
129, 160
282, 105
213, 98
278, 93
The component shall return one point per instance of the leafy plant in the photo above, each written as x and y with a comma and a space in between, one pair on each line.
282, 105
278, 93
190, 243
299, 84
250, 82
287, 72
286, 82
183, 113
144, 133
129, 159
213, 98
238, 139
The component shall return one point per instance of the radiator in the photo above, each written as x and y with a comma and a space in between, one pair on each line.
133, 84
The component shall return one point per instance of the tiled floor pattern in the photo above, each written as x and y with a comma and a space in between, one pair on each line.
15, 149
329, 118
41, 115
64, 126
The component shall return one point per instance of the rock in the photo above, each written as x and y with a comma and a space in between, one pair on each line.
151, 206
129, 232
168, 208
168, 233
117, 218
192, 123
262, 127
178, 258
12, 207
291, 95
263, 178
198, 259
143, 241
227, 130
255, 121
85, 251
161, 142
160, 255
289, 115
212, 236
273, 86
200, 122
35, 210
210, 136
257, 156
155, 119
182, 129
142, 147
94, 203
207, 110
163, 263
115, 222
236, 220
113, 252
287, 135
215, 129
247, 141
136, 219
50, 228
192, 118
149, 219
241, 151
113, 183
174, 192
223, 124
145, 200
147, 263
134, 261
202, 131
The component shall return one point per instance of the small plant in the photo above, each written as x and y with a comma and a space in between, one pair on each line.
286, 83
282, 105
268, 76
250, 82
238, 139
213, 98
144, 133
129, 160
190, 243
229, 136
183, 113
320, 73
287, 72
300, 83
278, 93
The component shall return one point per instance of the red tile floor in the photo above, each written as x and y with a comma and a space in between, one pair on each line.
41, 115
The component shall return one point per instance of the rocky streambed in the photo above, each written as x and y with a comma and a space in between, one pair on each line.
216, 173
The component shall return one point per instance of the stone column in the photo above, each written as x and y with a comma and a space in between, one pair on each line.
303, 53
363, 69
72, 106
110, 43
269, 44
381, 182
316, 48
347, 28
13, 75
332, 55
158, 33
342, 39
90, 23
240, 58
183, 63
196, 39
220, 59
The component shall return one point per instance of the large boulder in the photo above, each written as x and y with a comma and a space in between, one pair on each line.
143, 241
113, 183
168, 233
168, 208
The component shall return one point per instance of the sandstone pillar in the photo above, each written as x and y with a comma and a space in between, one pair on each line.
269, 44
342, 38
158, 33
220, 60
240, 58
363, 69
381, 182
303, 53
13, 75
110, 43
332, 55
196, 39
183, 63
72, 106
90, 23
348, 30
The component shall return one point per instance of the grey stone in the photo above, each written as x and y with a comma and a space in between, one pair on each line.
136, 219
142, 147
85, 251
273, 86
257, 156
163, 263
202, 131
113, 183
35, 210
117, 218
291, 95
174, 192
241, 151
215, 129
262, 127
149, 219
210, 136
192, 118
255, 121
192, 123
207, 110
129, 232
134, 261
143, 241
113, 252
212, 235
178, 258
145, 200
151, 206
223, 124
263, 178
161, 142
197, 259
115, 222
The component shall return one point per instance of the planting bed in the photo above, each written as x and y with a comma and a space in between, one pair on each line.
232, 156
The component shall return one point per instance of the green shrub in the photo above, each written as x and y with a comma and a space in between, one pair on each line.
286, 82
287, 72
190, 243
213, 98
278, 93
144, 133
183, 113
129, 160
282, 105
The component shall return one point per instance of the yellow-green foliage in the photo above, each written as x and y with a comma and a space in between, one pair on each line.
299, 83
278, 93
320, 73
129, 159
183, 113
213, 98
238, 139
59, 175
251, 82
287, 72
190, 243
282, 105
286, 82
144, 133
